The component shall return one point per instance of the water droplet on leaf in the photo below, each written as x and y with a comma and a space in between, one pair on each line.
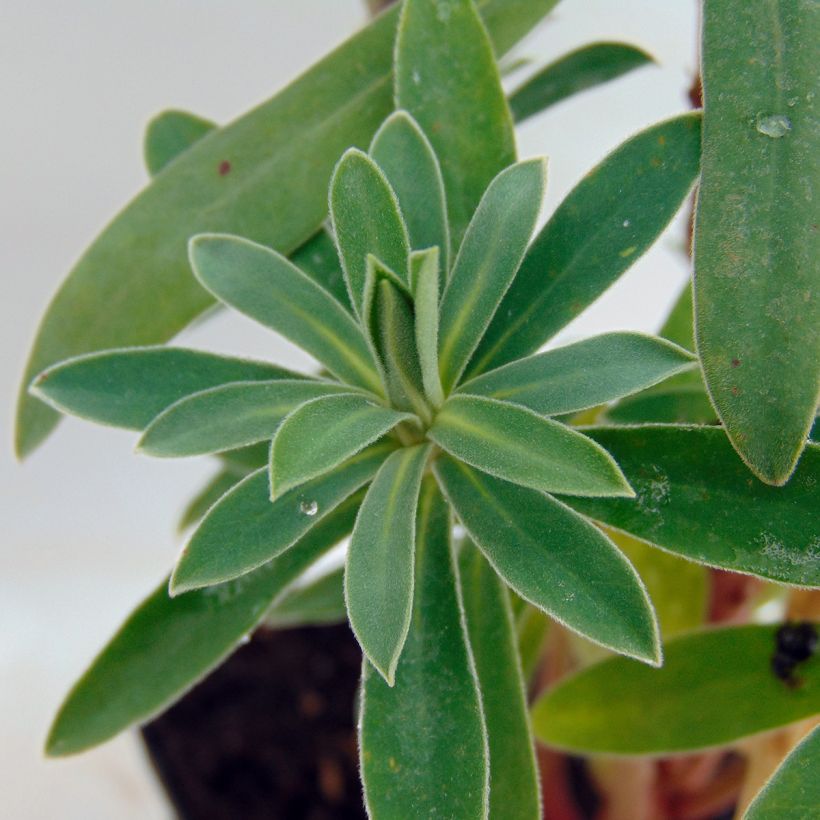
627, 223
773, 125
309, 508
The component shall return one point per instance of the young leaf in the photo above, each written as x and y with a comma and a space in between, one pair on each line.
366, 220
606, 222
317, 603
487, 262
245, 529
319, 259
267, 287
514, 782
722, 676
169, 644
756, 237
514, 443
424, 280
793, 792
577, 71
229, 416
225, 480
447, 78
695, 498
583, 374
379, 574
553, 558
169, 135
129, 387
423, 745
403, 152
322, 433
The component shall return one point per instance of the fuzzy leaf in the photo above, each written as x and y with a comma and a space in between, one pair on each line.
403, 152
245, 529
584, 374
511, 442
695, 498
169, 135
316, 603
379, 574
322, 433
515, 792
487, 261
715, 687
129, 387
229, 416
422, 741
584, 68
684, 402
169, 644
424, 279
267, 287
319, 259
553, 558
447, 78
756, 236
604, 225
226, 479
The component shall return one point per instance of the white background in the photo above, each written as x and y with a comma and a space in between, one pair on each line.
87, 527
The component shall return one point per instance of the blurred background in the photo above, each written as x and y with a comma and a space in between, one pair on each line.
88, 527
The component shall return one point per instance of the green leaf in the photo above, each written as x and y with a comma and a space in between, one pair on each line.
424, 280
403, 152
267, 287
137, 269
583, 374
696, 499
756, 237
366, 220
514, 782
554, 559
229, 416
455, 95
129, 387
714, 688
577, 71
196, 508
319, 259
793, 792
606, 222
169, 135
169, 644
317, 603
245, 460
532, 627
679, 326
511, 442
682, 402
322, 433
379, 575
423, 745
245, 529
487, 261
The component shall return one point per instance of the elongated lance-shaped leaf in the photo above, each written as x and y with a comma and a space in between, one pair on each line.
229, 416
584, 68
319, 259
226, 479
487, 261
239, 179
316, 603
264, 285
447, 78
793, 792
723, 677
514, 782
129, 387
403, 152
511, 442
693, 497
555, 559
606, 222
684, 402
379, 573
169, 135
422, 742
245, 460
424, 279
322, 433
366, 220
756, 236
245, 529
583, 374
169, 644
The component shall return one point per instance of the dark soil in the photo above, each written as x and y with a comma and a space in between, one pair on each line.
270, 734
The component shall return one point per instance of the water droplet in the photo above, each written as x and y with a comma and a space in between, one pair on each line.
309, 508
244, 640
627, 223
773, 125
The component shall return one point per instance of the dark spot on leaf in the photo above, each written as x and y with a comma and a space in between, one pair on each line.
795, 643
735, 390
224, 168
735, 362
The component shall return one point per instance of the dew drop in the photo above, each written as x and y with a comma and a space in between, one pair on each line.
773, 125
627, 223
309, 508
244, 640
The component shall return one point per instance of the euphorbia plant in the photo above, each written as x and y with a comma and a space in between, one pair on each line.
437, 436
